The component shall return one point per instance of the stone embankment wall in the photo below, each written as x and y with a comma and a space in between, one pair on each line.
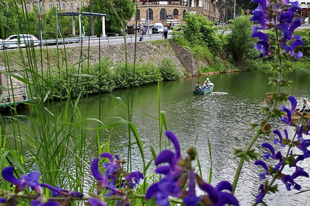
146, 52
186, 58
20, 91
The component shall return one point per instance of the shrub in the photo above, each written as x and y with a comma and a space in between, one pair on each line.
169, 70
240, 39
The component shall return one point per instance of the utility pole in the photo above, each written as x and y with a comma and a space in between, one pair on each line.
148, 18
40, 22
234, 9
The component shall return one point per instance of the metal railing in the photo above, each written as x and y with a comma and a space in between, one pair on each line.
129, 38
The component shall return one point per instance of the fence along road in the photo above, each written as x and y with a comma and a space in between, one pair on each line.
92, 41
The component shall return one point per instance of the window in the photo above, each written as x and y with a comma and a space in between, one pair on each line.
138, 14
57, 4
163, 14
63, 5
28, 7
184, 13
197, 3
175, 12
150, 14
71, 5
50, 5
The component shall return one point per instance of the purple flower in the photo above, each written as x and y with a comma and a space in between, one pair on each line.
264, 165
39, 203
191, 199
263, 47
261, 194
96, 173
288, 180
31, 179
2, 200
263, 4
280, 140
217, 196
259, 15
270, 147
95, 202
134, 176
289, 14
303, 147
168, 185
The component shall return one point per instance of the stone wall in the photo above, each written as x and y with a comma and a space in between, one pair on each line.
186, 57
20, 91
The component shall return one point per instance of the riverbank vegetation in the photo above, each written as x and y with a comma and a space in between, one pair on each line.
222, 52
106, 76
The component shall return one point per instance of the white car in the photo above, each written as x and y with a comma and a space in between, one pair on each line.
1, 44
25, 40
159, 27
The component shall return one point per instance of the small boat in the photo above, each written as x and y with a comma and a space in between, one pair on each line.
207, 90
296, 118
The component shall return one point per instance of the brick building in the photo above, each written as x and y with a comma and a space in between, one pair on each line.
63, 5
161, 11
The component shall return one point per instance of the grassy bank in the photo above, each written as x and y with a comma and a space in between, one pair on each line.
105, 77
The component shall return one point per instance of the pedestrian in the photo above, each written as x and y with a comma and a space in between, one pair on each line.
165, 31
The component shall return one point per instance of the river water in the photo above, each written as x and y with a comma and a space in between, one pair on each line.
223, 116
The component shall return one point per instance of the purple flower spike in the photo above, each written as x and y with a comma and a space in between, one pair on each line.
95, 202
299, 158
135, 176
2, 200
191, 199
276, 141
175, 142
55, 191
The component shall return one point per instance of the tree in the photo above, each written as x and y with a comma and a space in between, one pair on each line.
240, 39
117, 13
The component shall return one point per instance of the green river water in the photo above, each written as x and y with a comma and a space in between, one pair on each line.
223, 116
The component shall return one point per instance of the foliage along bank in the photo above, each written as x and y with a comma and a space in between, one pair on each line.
105, 77
220, 52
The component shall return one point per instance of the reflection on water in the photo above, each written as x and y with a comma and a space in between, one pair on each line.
222, 116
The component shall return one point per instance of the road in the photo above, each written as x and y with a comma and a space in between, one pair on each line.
113, 40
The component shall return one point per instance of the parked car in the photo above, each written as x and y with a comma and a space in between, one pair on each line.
307, 20
25, 40
158, 28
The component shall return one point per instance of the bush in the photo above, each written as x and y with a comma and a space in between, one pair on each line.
103, 77
240, 39
169, 70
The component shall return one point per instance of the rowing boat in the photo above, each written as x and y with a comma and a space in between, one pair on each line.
207, 90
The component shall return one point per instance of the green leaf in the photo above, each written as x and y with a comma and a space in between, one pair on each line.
210, 155
305, 70
252, 154
153, 152
274, 189
120, 101
151, 202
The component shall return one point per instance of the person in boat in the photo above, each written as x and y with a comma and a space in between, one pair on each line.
305, 106
207, 82
204, 87
197, 87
